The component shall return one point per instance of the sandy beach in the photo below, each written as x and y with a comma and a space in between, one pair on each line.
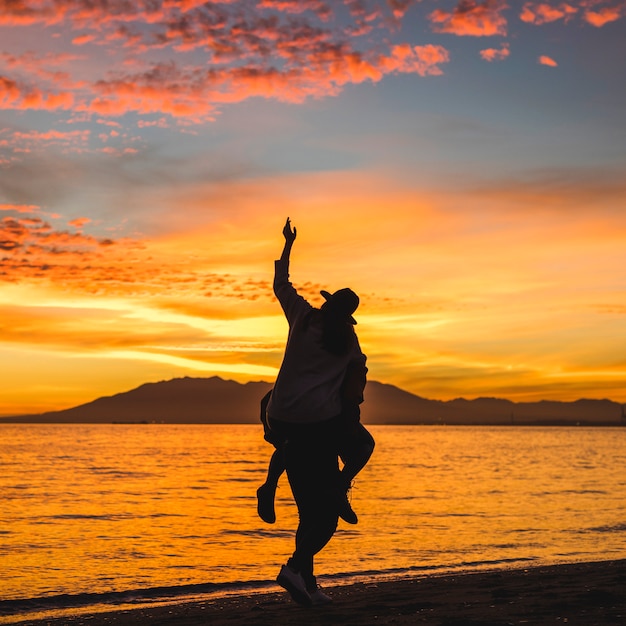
581, 594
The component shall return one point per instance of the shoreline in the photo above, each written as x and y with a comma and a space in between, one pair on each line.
580, 594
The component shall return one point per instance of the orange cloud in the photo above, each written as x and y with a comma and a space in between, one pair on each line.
542, 13
83, 39
14, 95
183, 299
166, 88
320, 8
19, 208
32, 234
471, 18
422, 60
79, 222
33, 248
495, 54
604, 15
546, 60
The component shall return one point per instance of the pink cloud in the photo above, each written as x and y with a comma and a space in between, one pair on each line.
546, 60
52, 135
31, 141
400, 7
541, 13
185, 5
496, 54
284, 49
25, 12
212, 54
471, 18
9, 91
160, 123
361, 12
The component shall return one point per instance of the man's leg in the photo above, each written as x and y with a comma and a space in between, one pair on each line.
312, 469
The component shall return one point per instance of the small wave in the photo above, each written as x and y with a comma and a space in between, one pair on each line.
105, 517
261, 533
79, 516
570, 492
117, 473
613, 528
73, 604
153, 595
115, 598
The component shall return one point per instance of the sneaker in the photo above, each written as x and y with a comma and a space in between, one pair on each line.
265, 503
318, 597
294, 584
343, 507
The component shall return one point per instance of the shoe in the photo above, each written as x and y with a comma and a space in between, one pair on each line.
265, 503
343, 507
294, 584
318, 597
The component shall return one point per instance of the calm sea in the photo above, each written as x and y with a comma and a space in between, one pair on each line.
120, 513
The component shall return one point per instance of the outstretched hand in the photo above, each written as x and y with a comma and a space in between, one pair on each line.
288, 233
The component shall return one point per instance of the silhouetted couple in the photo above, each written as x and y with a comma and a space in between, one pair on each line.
312, 417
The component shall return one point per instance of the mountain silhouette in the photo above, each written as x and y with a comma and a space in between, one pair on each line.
218, 401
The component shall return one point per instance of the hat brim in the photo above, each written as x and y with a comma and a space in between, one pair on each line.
327, 296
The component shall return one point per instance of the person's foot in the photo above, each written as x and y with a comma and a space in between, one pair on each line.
318, 597
265, 495
343, 507
295, 585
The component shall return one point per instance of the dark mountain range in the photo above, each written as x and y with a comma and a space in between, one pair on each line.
217, 401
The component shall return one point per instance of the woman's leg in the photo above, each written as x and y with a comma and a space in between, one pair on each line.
355, 445
355, 449
275, 468
266, 493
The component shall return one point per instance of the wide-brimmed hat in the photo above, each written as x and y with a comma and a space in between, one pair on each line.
344, 302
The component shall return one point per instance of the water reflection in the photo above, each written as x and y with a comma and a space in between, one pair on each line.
144, 506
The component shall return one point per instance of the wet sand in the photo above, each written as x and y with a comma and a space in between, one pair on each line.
581, 594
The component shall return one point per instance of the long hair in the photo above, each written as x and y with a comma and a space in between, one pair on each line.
337, 331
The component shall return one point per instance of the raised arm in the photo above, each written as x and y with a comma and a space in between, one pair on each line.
290, 237
292, 303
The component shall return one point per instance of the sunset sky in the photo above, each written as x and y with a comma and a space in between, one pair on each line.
461, 165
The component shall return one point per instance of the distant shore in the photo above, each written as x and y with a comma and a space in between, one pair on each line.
578, 594
217, 401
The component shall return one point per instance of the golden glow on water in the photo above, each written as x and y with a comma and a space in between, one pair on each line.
117, 507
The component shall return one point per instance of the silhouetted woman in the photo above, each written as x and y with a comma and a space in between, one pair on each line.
305, 411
